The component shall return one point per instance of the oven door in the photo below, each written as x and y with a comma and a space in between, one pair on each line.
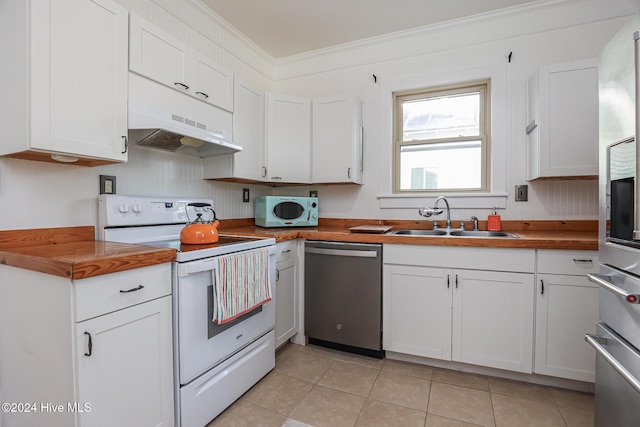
201, 344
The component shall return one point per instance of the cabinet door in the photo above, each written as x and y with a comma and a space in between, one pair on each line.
78, 71
565, 144
493, 319
158, 55
566, 309
417, 311
212, 82
125, 366
286, 300
337, 140
288, 139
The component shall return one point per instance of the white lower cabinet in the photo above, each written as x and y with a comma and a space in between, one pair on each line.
89, 352
566, 309
128, 366
456, 304
417, 311
493, 319
287, 297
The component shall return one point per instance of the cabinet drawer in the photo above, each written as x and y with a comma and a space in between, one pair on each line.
567, 262
98, 295
286, 250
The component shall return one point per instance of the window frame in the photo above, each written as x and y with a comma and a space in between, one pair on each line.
481, 86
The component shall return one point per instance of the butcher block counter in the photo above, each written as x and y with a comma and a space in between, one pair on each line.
73, 252
571, 235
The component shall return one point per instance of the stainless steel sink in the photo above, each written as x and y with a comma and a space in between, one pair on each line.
480, 233
420, 232
453, 233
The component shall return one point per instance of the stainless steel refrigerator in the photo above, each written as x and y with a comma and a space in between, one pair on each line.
617, 339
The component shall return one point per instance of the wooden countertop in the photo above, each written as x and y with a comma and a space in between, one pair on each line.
576, 235
72, 252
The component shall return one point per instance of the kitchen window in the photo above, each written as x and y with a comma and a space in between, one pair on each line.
442, 139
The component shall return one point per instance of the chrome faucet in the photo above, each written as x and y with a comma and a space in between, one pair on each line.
475, 222
427, 212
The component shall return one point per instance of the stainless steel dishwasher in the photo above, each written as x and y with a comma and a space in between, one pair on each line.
343, 296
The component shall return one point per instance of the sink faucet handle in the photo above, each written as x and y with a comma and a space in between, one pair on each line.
435, 224
462, 224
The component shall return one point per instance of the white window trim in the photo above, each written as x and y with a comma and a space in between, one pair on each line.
497, 194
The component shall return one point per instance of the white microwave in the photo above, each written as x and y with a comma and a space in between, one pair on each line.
281, 211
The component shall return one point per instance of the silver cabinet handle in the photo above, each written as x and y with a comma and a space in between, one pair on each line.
602, 282
583, 261
264, 172
126, 143
342, 252
617, 366
531, 126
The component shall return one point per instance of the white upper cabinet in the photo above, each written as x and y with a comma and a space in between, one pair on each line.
337, 140
249, 133
65, 65
562, 124
159, 56
288, 139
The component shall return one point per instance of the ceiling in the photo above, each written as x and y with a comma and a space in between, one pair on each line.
288, 27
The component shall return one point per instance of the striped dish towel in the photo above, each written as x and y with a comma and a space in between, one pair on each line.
241, 283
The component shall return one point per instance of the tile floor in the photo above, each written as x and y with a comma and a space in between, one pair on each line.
314, 386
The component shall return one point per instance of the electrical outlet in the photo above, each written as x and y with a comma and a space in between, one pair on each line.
313, 193
521, 193
245, 195
107, 184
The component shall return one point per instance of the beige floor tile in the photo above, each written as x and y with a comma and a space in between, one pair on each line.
285, 351
438, 421
461, 403
305, 366
350, 378
519, 389
246, 414
327, 407
573, 399
406, 368
574, 417
462, 379
381, 414
343, 356
401, 390
514, 411
279, 393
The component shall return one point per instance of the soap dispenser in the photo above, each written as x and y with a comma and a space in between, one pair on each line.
493, 221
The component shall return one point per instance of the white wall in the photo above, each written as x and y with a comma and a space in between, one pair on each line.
34, 194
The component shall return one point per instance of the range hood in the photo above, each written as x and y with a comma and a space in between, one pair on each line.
164, 118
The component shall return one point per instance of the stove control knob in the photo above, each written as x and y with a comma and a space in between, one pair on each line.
137, 207
123, 208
